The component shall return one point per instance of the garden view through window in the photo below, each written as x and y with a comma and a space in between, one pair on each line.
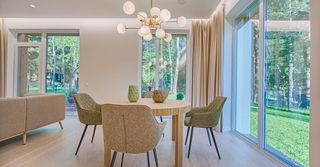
286, 78
164, 66
59, 73
62, 72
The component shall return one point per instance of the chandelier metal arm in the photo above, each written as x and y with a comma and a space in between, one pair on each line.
154, 24
132, 28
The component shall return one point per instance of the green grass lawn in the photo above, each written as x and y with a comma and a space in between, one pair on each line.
287, 132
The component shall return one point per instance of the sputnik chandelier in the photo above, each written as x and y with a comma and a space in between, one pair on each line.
157, 19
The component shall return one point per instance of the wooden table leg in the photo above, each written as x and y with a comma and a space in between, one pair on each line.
107, 155
174, 127
179, 141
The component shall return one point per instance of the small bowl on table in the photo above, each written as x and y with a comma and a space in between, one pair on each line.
159, 96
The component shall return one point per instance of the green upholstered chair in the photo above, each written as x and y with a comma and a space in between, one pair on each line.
205, 117
89, 113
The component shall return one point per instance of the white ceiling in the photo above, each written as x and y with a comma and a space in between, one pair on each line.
100, 8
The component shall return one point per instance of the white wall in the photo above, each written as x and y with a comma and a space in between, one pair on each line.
315, 85
109, 61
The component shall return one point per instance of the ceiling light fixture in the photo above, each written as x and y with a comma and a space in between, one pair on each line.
157, 19
32, 6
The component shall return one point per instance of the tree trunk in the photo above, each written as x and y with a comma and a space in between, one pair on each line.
53, 85
63, 67
305, 78
176, 73
171, 67
180, 52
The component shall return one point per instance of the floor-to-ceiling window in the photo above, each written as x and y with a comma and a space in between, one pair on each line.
164, 66
287, 79
272, 63
48, 63
62, 70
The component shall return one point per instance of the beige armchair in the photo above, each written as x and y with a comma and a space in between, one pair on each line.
131, 129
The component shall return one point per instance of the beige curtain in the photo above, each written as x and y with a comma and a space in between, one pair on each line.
206, 58
2, 59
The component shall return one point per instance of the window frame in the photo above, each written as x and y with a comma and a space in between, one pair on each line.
42, 56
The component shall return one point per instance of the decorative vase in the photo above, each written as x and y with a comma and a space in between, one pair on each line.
133, 93
159, 96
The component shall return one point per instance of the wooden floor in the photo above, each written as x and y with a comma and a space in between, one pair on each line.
52, 147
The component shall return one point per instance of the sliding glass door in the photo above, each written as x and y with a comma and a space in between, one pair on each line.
287, 79
272, 78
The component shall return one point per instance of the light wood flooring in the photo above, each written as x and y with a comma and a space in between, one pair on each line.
52, 147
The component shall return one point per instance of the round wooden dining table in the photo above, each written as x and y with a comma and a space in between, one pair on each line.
174, 108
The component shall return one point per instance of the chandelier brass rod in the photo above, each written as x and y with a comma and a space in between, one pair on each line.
171, 21
132, 28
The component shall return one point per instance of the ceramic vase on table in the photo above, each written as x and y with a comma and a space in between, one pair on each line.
133, 93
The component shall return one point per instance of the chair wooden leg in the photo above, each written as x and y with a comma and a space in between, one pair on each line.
84, 132
191, 136
94, 131
186, 141
148, 159
208, 136
113, 158
122, 159
24, 138
61, 126
215, 143
155, 157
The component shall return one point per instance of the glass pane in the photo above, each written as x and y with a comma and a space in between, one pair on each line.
148, 67
29, 70
247, 74
288, 80
30, 38
172, 66
62, 73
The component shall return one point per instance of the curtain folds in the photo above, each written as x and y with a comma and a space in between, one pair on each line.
2, 59
206, 58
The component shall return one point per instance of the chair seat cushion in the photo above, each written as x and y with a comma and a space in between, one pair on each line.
187, 121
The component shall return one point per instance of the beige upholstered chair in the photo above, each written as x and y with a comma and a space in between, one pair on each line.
131, 129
